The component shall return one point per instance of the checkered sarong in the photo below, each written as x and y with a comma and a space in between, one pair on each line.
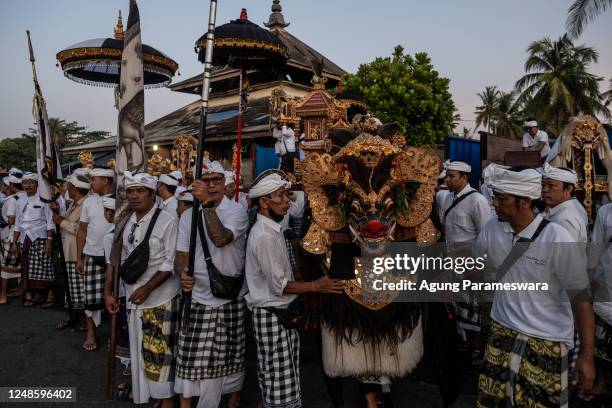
214, 344
522, 371
278, 361
10, 263
290, 252
94, 284
40, 266
76, 286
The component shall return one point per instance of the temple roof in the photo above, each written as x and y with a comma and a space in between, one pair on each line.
221, 126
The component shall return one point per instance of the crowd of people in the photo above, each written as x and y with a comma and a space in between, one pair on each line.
532, 351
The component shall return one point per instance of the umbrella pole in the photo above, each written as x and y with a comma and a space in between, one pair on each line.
195, 215
239, 139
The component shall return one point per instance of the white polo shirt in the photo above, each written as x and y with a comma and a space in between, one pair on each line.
268, 269
228, 259
34, 219
553, 258
572, 216
541, 136
466, 219
162, 250
97, 226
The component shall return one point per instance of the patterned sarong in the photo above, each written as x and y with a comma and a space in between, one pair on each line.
76, 286
214, 344
278, 361
39, 266
159, 339
94, 284
10, 263
522, 371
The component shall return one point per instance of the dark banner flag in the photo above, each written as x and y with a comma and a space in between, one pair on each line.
47, 161
130, 140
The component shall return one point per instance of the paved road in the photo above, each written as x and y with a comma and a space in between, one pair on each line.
35, 354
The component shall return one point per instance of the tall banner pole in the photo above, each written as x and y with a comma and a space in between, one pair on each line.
210, 39
130, 153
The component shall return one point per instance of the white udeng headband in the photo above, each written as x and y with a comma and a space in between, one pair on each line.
78, 183
555, 173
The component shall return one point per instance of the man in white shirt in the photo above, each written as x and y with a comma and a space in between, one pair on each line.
78, 189
166, 189
466, 211
285, 145
8, 262
184, 202
535, 139
442, 191
272, 287
532, 330
90, 250
210, 366
558, 186
153, 298
230, 188
34, 230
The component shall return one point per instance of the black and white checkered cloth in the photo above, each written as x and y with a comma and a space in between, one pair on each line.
573, 353
9, 263
76, 286
278, 361
94, 284
214, 343
289, 246
40, 266
603, 340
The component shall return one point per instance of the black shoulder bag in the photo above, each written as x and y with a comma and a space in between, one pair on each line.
137, 262
221, 286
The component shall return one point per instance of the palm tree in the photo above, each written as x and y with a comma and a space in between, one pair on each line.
507, 117
608, 95
557, 81
455, 121
485, 113
582, 12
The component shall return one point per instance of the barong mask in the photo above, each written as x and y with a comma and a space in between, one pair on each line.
370, 185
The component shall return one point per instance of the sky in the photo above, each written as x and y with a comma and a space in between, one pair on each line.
475, 43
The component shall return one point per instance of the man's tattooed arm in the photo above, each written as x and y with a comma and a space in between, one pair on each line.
218, 234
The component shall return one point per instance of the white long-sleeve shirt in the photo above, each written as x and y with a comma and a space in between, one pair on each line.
285, 140
34, 219
466, 219
600, 258
570, 215
268, 269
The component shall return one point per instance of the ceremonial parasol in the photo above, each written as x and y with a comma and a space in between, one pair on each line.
244, 45
98, 61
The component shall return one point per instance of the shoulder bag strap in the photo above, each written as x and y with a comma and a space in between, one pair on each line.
207, 256
457, 201
518, 249
151, 225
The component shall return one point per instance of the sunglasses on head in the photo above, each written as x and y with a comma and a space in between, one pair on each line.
131, 236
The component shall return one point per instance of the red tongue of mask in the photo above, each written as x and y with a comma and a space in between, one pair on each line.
373, 228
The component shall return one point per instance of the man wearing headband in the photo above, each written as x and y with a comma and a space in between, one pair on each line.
532, 330
558, 186
153, 299
221, 371
90, 249
184, 202
166, 189
466, 211
78, 189
272, 286
34, 231
442, 191
9, 263
285, 145
535, 139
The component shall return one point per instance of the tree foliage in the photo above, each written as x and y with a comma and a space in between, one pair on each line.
582, 12
20, 151
557, 83
406, 90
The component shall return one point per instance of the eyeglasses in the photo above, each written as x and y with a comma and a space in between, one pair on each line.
131, 236
214, 180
